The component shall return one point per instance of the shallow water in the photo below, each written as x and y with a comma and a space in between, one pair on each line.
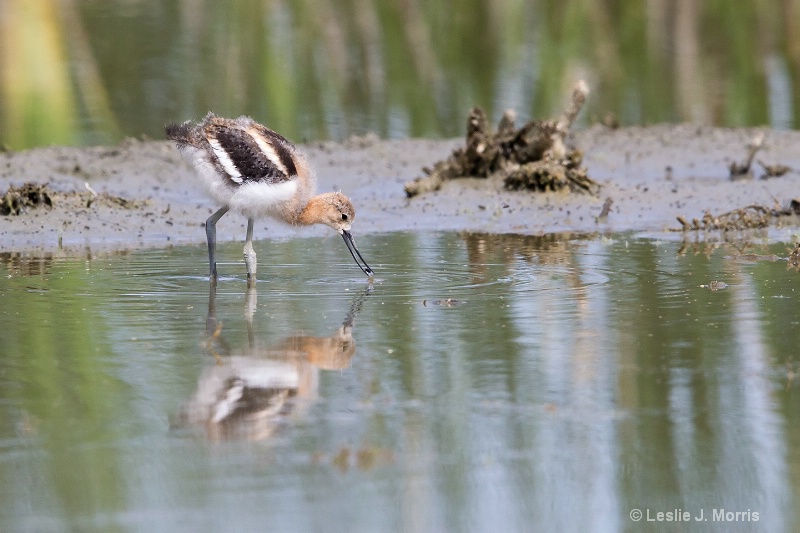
483, 383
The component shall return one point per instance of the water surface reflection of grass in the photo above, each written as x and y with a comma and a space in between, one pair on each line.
575, 381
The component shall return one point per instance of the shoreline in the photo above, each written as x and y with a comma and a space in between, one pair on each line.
652, 174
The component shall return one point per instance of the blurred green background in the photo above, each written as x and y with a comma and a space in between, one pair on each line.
82, 72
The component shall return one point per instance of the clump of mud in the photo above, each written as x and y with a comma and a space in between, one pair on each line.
774, 171
532, 157
750, 217
16, 200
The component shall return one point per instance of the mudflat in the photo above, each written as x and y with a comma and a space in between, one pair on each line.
143, 194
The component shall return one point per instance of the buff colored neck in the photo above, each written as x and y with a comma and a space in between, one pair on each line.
311, 213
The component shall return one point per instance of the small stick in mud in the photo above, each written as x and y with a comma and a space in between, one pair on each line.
93, 196
579, 93
740, 170
603, 216
685, 226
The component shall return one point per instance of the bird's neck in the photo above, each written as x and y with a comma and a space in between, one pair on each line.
309, 214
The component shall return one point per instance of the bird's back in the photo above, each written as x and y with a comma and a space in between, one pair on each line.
241, 149
246, 165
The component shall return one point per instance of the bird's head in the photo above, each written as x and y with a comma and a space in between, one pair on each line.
334, 209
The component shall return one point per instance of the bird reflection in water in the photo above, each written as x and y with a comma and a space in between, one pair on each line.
247, 396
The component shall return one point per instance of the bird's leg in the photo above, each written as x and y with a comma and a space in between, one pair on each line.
250, 305
250, 254
211, 235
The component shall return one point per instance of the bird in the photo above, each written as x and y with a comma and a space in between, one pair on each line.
249, 169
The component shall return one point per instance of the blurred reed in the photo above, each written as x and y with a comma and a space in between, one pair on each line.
87, 72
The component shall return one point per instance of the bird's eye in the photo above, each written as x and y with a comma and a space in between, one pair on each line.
344, 216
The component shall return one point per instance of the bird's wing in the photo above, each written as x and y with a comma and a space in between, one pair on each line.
252, 153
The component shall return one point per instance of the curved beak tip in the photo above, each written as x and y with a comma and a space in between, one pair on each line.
351, 247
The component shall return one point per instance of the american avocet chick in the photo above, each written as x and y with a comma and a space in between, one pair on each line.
249, 169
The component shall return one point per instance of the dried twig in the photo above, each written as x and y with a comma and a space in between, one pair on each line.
605, 210
739, 170
579, 94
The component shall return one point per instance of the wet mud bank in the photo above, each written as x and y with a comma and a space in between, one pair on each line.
142, 193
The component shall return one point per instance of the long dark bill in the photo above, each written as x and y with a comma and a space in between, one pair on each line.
348, 240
